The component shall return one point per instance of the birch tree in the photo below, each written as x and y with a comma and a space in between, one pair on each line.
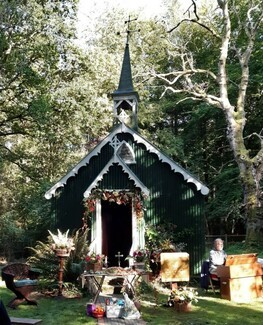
235, 27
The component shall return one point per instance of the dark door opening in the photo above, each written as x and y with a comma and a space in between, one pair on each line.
116, 231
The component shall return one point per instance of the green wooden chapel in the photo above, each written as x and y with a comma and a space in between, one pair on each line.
125, 183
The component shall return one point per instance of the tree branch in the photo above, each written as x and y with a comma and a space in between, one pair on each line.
195, 10
194, 95
212, 31
179, 74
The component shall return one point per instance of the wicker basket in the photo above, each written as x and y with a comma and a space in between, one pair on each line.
62, 252
94, 267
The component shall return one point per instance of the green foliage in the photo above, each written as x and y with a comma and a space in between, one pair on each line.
75, 262
164, 237
56, 104
243, 248
226, 207
11, 236
144, 288
43, 258
37, 140
25, 216
203, 130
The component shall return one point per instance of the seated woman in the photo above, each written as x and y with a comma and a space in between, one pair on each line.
217, 256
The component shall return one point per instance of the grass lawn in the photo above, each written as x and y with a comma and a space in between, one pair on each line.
210, 309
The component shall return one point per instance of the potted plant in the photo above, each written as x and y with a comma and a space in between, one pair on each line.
140, 258
181, 298
160, 239
94, 262
62, 245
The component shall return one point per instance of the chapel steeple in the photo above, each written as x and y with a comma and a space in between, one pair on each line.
125, 97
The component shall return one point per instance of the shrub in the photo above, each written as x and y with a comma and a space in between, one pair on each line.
44, 258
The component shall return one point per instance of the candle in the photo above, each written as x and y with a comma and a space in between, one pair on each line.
106, 260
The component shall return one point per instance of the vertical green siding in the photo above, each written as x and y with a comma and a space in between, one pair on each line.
171, 198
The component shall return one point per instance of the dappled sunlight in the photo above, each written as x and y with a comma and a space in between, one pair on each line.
224, 301
210, 309
148, 303
254, 305
223, 311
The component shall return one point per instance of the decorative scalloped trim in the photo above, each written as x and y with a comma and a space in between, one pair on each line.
125, 169
122, 128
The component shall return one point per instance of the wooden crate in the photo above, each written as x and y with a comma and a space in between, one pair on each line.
237, 271
241, 289
249, 258
175, 267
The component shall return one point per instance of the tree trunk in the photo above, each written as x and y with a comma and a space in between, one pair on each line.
248, 30
253, 208
250, 175
250, 168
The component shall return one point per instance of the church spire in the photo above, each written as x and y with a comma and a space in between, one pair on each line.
125, 97
125, 83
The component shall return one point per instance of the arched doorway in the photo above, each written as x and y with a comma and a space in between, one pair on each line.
116, 222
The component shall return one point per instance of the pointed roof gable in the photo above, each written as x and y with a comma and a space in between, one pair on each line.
122, 128
125, 169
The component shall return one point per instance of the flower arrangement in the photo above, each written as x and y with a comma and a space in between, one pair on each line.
182, 295
94, 258
62, 241
140, 255
119, 197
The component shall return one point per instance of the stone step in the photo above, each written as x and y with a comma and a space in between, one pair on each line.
25, 321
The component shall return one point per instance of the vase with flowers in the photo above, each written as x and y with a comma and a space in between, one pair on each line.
94, 262
181, 298
62, 245
140, 259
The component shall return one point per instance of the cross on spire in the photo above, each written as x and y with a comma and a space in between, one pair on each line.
128, 30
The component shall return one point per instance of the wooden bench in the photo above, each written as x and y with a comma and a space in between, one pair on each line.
21, 280
27, 321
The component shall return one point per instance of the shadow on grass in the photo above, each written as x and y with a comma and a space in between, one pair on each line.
52, 310
210, 309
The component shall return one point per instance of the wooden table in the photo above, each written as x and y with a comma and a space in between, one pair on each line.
98, 279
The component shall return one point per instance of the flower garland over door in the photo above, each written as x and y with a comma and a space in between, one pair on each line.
119, 197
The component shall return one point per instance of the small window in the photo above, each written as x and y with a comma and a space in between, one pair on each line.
126, 153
